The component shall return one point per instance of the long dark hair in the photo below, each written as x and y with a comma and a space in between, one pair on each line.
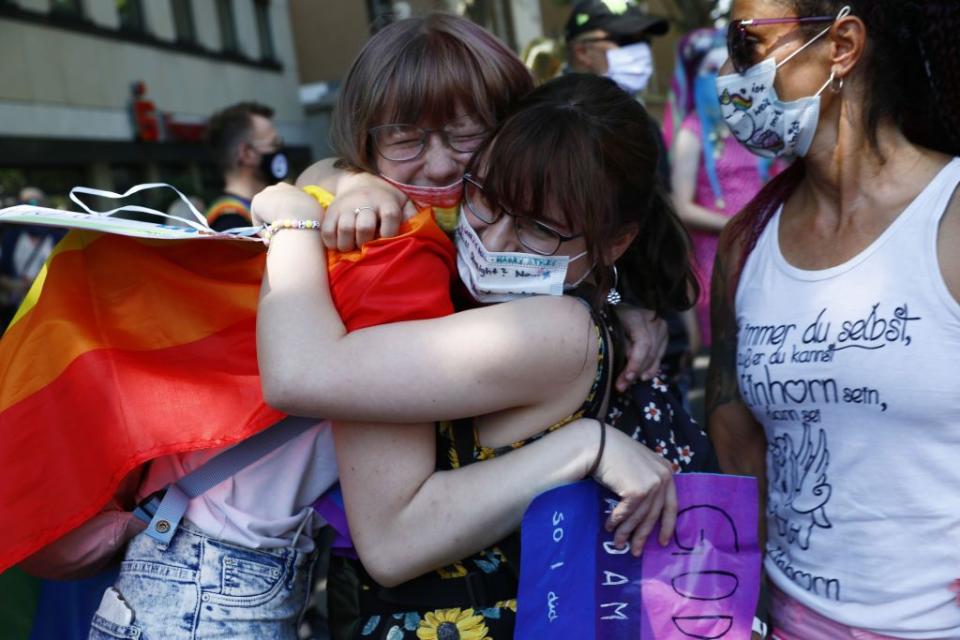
583, 146
912, 78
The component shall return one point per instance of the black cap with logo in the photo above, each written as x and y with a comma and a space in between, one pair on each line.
622, 19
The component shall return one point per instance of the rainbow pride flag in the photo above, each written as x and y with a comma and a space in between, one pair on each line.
127, 349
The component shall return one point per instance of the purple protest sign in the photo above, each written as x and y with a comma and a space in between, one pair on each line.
704, 585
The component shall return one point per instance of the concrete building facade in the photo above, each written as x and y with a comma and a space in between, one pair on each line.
69, 68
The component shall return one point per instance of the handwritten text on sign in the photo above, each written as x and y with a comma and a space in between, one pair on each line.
704, 585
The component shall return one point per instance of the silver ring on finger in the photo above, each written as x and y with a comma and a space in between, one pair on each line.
365, 207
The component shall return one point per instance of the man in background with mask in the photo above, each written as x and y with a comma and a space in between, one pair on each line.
612, 38
249, 152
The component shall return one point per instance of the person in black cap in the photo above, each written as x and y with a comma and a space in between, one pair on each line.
611, 38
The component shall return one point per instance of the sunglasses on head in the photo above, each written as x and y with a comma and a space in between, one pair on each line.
741, 45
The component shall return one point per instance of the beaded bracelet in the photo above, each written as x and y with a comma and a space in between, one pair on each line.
277, 225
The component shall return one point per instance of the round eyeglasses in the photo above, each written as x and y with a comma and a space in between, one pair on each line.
404, 142
532, 234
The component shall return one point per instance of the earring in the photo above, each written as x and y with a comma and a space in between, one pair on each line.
836, 84
613, 296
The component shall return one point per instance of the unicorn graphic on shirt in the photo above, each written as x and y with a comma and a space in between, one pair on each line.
798, 490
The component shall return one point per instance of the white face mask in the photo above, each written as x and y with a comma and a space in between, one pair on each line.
759, 119
630, 66
499, 276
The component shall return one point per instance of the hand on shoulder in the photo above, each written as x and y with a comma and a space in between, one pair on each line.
365, 207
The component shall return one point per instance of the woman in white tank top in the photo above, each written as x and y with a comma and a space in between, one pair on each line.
836, 318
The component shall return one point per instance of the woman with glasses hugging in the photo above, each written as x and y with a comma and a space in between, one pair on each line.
416, 104
836, 320
557, 199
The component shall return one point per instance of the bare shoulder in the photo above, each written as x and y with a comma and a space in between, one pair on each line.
554, 334
687, 142
947, 243
322, 173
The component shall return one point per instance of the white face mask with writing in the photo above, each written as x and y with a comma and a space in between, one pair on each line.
766, 125
630, 66
500, 276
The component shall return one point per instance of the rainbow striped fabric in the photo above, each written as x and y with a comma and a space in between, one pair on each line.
226, 205
129, 349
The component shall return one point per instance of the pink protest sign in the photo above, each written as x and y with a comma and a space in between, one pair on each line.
704, 585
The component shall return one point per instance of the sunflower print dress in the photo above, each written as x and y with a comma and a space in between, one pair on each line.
475, 599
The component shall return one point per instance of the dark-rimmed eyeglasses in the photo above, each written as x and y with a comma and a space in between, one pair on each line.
741, 46
536, 236
404, 142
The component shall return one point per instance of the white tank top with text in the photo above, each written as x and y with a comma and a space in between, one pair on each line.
853, 372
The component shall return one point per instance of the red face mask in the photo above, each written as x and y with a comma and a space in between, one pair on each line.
445, 201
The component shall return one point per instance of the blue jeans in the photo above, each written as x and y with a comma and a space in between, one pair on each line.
199, 588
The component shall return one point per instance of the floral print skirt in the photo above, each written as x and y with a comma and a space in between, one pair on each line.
347, 581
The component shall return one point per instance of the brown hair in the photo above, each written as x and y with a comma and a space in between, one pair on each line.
423, 68
585, 146
229, 127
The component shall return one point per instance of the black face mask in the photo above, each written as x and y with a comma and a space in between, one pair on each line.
274, 166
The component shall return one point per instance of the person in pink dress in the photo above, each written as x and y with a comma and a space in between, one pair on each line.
713, 176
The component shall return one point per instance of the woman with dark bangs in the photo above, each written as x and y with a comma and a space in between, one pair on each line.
565, 191
836, 311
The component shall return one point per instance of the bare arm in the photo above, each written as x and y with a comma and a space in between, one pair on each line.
522, 353
406, 518
947, 241
365, 207
739, 439
685, 164
322, 174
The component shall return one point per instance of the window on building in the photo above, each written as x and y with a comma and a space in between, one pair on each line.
66, 6
131, 15
228, 26
267, 50
183, 21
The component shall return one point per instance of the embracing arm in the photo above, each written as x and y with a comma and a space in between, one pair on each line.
406, 519
738, 438
365, 206
685, 164
471, 363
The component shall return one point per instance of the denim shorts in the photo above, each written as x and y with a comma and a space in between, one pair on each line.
199, 587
